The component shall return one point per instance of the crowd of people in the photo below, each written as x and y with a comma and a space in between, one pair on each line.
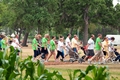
97, 50
11, 41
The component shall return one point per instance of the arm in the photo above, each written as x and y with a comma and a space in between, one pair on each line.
100, 44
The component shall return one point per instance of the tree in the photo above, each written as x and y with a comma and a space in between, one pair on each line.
117, 17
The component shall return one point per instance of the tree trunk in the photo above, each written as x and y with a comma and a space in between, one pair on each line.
119, 30
85, 35
71, 30
19, 36
78, 32
38, 30
24, 43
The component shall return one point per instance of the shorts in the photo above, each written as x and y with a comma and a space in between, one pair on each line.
74, 49
90, 53
44, 51
52, 51
105, 53
99, 53
59, 53
35, 53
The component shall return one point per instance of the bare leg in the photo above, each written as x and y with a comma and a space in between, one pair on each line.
49, 56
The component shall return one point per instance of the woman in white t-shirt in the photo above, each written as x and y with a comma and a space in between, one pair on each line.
111, 48
60, 49
15, 43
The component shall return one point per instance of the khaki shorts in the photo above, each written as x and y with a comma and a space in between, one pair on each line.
52, 51
111, 54
99, 53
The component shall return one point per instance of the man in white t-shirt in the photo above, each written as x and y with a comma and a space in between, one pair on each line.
67, 44
90, 45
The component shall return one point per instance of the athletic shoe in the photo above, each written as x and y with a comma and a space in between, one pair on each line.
89, 62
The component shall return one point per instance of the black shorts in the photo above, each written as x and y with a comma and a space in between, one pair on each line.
105, 53
44, 51
90, 53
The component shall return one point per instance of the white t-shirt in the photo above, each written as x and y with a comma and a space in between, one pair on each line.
60, 44
15, 43
111, 46
90, 44
67, 42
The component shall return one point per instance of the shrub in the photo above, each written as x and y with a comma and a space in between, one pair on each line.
12, 68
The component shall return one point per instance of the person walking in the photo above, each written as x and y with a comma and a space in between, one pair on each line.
44, 49
74, 43
60, 48
117, 55
52, 48
105, 46
39, 44
4, 43
90, 48
98, 50
15, 43
35, 46
67, 44
111, 54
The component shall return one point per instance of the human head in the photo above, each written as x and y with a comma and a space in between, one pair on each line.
115, 49
105, 39
76, 37
12, 35
69, 35
16, 36
100, 35
112, 38
36, 36
47, 36
53, 37
61, 38
92, 36
39, 36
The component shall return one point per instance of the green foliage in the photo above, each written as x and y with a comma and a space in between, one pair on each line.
91, 73
11, 67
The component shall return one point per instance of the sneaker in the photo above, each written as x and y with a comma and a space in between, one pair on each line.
61, 59
46, 61
89, 62
102, 63
42, 60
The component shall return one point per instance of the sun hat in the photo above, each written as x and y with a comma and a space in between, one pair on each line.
12, 35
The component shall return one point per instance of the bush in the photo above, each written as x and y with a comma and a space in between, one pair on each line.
12, 68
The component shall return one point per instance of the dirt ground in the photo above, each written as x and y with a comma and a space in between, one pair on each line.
27, 51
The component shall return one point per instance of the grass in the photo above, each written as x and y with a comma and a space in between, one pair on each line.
114, 70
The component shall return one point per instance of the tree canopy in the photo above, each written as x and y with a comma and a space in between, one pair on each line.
59, 17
